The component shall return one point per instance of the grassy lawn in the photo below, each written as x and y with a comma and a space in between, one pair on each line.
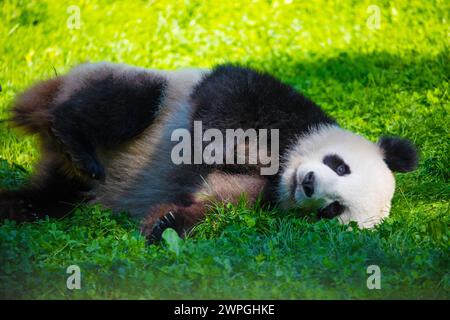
386, 78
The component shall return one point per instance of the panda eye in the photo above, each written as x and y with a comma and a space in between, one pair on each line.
336, 164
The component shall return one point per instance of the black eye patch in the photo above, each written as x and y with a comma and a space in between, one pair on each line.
332, 210
336, 164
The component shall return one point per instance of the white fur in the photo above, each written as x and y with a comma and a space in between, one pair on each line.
366, 192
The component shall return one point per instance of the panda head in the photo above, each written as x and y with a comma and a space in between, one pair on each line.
337, 173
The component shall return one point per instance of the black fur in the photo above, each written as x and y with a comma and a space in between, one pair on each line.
103, 114
233, 97
400, 154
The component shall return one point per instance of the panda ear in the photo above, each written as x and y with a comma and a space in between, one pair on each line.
400, 154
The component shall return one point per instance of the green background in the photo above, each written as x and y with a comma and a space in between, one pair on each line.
391, 78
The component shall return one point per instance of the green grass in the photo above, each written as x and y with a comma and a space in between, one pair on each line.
391, 80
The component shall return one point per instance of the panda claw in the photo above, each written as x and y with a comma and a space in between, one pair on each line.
163, 223
169, 218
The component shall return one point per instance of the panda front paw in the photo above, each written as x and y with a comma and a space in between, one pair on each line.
154, 234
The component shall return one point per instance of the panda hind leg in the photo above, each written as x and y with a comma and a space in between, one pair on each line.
104, 114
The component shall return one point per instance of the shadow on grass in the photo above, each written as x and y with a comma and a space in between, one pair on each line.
415, 71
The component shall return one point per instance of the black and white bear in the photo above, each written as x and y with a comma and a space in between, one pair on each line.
106, 137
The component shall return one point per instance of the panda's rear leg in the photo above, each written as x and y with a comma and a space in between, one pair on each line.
106, 112
109, 107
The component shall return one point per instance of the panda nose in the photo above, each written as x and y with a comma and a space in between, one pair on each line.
308, 184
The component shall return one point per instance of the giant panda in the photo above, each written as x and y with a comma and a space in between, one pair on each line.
106, 136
